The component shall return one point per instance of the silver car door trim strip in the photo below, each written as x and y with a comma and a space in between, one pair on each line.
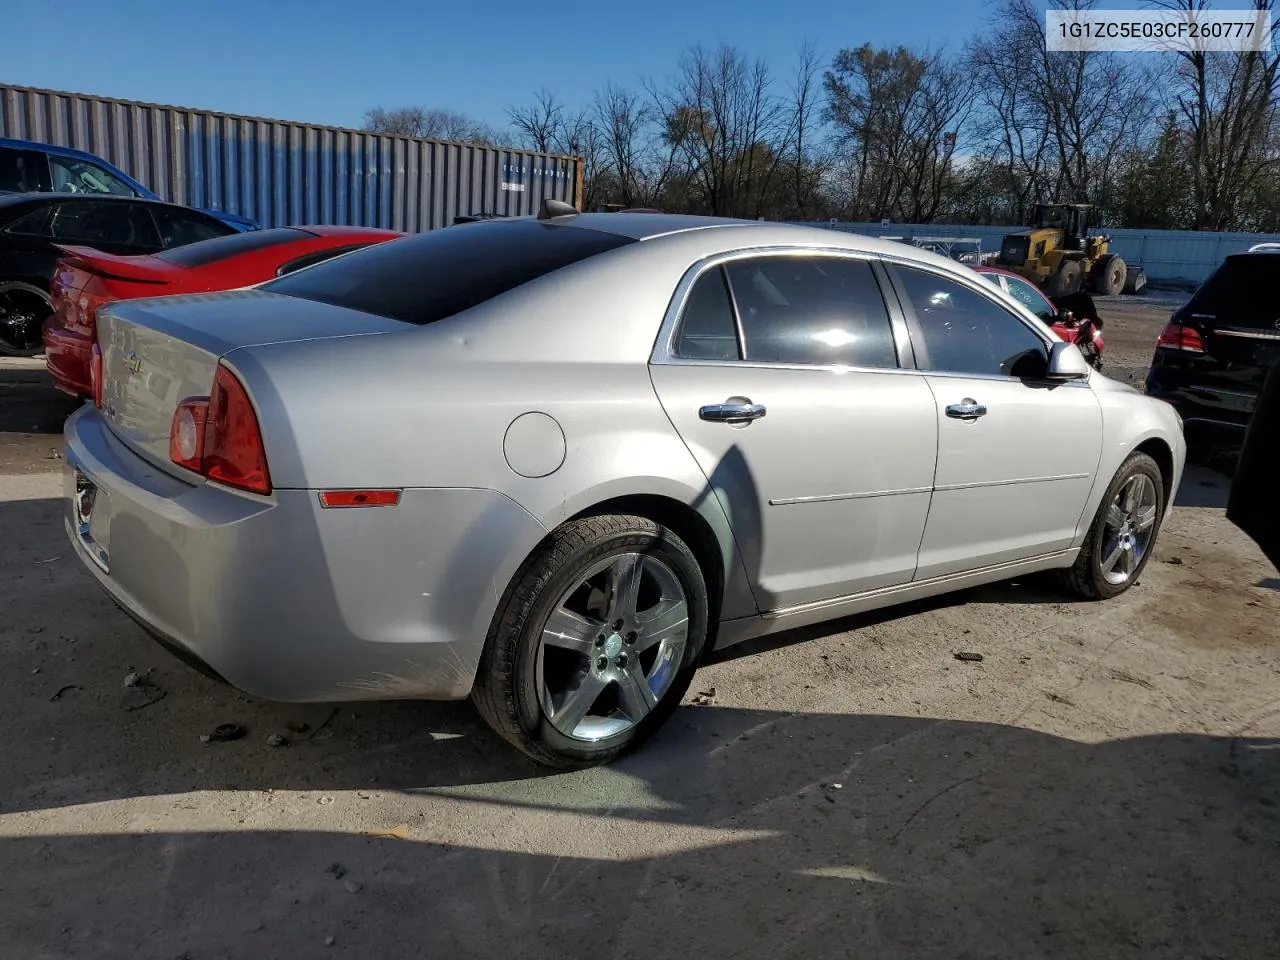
946, 487
910, 585
1247, 334
828, 497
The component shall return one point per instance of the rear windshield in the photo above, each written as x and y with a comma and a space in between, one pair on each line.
1237, 292
435, 275
207, 251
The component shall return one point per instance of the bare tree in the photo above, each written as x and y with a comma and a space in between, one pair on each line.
805, 109
540, 124
1227, 104
898, 116
426, 122
721, 114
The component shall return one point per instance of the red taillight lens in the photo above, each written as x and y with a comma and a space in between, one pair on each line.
218, 436
95, 374
233, 449
1177, 337
186, 434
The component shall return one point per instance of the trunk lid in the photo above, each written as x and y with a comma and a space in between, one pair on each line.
158, 352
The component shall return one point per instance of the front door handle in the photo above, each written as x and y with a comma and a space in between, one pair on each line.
966, 409
734, 410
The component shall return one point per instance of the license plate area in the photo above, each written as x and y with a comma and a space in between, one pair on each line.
87, 502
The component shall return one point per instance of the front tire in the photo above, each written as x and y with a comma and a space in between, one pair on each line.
1109, 275
1065, 281
1123, 533
595, 641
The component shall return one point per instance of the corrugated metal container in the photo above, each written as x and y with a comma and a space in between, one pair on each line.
283, 173
1182, 256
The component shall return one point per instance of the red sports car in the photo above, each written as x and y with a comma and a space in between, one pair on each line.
85, 279
1084, 328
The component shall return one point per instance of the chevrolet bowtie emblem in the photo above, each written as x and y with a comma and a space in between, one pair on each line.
132, 361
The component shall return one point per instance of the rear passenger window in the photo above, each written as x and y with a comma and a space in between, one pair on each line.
707, 329
812, 310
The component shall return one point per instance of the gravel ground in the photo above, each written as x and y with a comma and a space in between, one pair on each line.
1103, 783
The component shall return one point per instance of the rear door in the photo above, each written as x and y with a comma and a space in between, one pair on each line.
1239, 320
782, 377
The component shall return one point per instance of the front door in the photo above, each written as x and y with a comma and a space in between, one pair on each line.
782, 378
1017, 455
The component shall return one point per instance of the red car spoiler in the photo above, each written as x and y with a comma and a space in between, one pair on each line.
143, 269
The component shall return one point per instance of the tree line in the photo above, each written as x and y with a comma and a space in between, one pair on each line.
978, 134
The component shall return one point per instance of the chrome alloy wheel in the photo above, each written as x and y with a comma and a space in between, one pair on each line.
1129, 527
611, 649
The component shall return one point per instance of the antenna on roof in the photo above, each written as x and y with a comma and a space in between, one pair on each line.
551, 209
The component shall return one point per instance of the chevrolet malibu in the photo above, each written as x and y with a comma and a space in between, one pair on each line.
549, 463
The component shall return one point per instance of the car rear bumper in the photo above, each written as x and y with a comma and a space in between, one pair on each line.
1201, 407
287, 600
67, 357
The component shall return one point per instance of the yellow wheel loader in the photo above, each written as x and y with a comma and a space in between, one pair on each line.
1058, 254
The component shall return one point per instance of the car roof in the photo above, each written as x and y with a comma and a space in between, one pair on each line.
9, 199
48, 148
725, 233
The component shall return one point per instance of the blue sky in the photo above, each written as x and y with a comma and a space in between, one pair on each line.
326, 61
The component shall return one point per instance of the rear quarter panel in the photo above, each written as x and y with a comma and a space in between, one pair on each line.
431, 406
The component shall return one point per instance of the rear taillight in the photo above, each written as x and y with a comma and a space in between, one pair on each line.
1175, 336
218, 436
186, 434
95, 373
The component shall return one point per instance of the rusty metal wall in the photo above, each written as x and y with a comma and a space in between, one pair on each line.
290, 173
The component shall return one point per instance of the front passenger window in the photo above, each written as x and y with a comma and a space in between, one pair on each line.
958, 330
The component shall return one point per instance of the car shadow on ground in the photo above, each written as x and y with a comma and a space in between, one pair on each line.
737, 833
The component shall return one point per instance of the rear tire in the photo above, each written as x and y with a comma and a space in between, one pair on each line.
1109, 275
23, 311
1122, 535
1065, 281
594, 689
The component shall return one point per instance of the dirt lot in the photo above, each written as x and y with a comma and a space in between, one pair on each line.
1104, 783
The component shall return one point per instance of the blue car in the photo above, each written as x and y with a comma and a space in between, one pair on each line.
30, 167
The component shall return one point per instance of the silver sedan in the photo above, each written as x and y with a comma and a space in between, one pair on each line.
550, 463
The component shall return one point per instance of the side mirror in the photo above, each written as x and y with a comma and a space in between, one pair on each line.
1064, 316
1066, 362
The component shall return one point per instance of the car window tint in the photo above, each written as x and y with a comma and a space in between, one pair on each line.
209, 251
812, 310
707, 329
33, 224
431, 276
180, 227
1031, 298
108, 222
958, 330
81, 176
23, 171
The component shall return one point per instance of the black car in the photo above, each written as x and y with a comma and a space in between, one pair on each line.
1212, 357
32, 223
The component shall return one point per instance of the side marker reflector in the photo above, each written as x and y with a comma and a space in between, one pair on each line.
359, 498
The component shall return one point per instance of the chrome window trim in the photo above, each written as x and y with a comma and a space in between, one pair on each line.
664, 354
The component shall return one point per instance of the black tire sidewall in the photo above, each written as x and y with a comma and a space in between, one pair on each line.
15, 351
664, 546
1139, 463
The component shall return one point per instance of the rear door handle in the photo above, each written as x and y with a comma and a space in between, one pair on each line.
736, 411
966, 409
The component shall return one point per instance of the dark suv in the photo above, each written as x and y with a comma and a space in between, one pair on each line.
1214, 354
